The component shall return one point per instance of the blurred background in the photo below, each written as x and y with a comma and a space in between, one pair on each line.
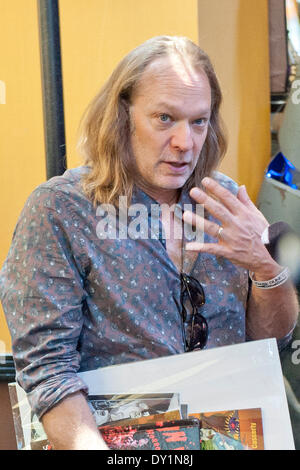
55, 55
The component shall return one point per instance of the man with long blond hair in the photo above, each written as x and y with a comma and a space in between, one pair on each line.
101, 272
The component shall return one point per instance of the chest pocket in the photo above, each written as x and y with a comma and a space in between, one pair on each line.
225, 284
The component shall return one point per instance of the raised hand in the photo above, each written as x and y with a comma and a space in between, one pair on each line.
239, 232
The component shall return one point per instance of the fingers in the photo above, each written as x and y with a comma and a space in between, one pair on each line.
241, 221
243, 196
211, 228
225, 199
214, 207
245, 199
211, 248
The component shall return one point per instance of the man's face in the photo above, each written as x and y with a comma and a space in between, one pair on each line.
170, 112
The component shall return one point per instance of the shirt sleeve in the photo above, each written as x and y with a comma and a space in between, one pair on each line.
42, 292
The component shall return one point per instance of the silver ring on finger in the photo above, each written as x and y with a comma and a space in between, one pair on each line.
219, 234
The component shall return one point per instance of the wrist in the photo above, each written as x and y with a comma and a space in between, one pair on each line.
276, 281
267, 271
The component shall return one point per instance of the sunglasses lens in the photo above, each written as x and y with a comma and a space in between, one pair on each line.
199, 333
197, 297
193, 290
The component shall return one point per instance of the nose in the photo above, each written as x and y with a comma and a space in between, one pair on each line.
182, 138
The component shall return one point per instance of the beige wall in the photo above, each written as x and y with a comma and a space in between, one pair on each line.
95, 34
235, 35
95, 39
233, 32
22, 157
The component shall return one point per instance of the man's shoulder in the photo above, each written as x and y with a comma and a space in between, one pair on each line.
225, 181
69, 183
60, 191
70, 178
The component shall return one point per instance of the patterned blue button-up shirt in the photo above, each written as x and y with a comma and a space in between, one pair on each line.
75, 301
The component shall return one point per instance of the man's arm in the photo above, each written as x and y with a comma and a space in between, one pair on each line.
42, 292
270, 312
70, 425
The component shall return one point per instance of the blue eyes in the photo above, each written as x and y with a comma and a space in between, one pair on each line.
200, 122
165, 118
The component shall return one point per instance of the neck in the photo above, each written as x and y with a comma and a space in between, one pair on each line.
162, 196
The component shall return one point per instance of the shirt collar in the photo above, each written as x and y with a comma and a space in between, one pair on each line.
140, 197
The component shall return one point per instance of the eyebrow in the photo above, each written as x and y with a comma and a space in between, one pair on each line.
174, 110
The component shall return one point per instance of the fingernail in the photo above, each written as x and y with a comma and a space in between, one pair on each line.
196, 192
206, 181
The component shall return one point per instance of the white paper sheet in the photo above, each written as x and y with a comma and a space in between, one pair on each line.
247, 375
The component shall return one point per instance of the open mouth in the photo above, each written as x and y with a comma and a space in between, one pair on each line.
177, 166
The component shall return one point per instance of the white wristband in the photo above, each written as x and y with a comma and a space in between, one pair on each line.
281, 278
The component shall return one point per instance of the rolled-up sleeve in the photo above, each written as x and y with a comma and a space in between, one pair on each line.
42, 293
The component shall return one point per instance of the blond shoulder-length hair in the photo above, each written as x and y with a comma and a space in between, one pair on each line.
104, 132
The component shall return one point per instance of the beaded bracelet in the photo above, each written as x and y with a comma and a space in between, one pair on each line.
281, 278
